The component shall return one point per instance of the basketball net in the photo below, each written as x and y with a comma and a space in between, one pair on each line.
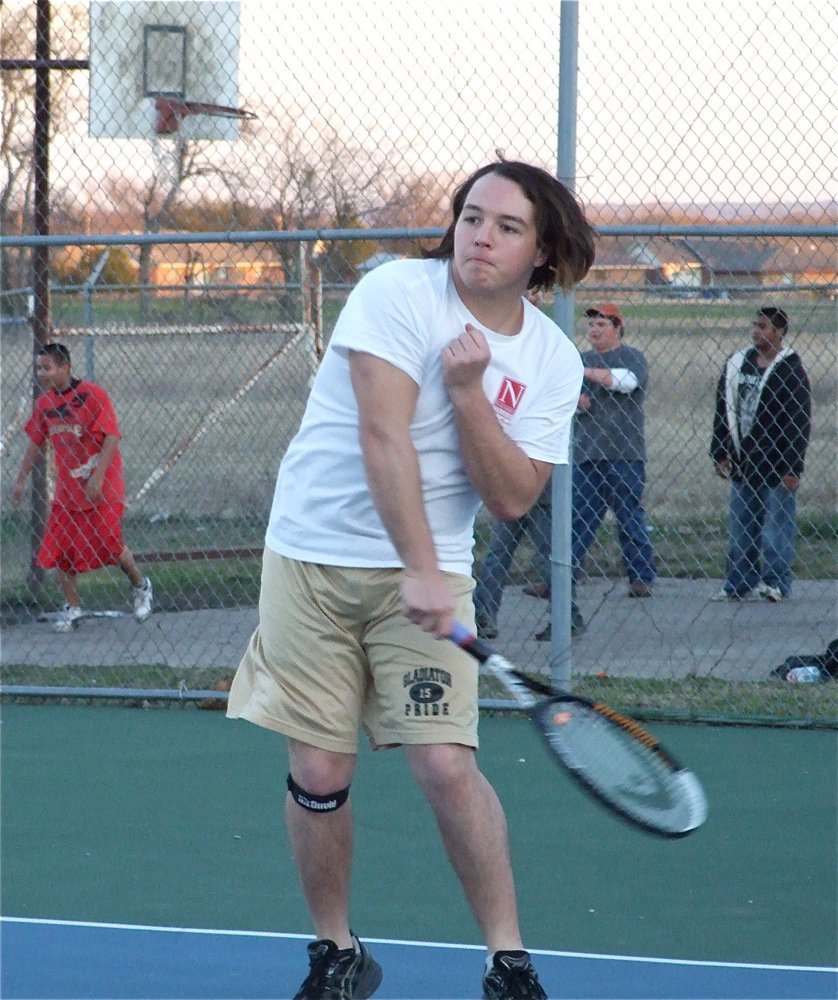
167, 139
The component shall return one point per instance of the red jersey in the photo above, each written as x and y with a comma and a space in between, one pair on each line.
76, 422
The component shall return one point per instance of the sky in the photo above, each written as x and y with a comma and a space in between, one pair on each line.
678, 100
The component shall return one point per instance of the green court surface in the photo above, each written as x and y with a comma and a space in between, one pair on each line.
173, 817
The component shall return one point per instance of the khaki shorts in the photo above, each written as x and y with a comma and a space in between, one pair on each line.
333, 651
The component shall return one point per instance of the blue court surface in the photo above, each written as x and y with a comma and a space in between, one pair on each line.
50, 959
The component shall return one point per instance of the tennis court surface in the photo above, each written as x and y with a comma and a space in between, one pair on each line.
144, 855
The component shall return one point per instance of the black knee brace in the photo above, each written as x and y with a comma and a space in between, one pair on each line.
317, 803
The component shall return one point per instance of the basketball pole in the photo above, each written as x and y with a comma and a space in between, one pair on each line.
40, 317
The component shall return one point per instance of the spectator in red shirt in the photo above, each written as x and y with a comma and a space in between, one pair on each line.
84, 527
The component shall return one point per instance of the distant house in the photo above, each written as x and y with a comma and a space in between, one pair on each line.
797, 262
213, 264
714, 265
729, 262
637, 262
706, 266
806, 262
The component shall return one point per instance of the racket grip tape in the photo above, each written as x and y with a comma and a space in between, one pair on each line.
468, 641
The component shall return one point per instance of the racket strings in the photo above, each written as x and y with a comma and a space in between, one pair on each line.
608, 753
621, 765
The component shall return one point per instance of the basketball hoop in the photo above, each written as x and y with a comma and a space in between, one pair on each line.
170, 112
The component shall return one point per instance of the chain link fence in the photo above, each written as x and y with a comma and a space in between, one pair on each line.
704, 152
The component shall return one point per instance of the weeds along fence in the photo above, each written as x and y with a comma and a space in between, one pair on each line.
210, 380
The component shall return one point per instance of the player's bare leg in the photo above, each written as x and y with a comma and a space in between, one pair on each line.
141, 585
474, 831
322, 842
128, 565
67, 582
71, 614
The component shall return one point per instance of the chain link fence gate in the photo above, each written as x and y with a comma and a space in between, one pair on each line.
704, 155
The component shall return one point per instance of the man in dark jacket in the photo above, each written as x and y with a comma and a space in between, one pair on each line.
760, 432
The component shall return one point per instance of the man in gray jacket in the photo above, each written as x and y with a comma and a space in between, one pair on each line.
609, 454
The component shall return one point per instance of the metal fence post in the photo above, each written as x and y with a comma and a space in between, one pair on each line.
561, 660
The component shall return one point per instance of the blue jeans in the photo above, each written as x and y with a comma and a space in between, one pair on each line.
761, 538
503, 540
618, 485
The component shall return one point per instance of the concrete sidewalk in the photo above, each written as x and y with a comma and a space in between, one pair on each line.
677, 632
680, 631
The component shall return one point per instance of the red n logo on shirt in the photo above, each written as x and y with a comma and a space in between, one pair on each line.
509, 395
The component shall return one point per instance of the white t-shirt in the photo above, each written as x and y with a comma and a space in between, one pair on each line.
406, 312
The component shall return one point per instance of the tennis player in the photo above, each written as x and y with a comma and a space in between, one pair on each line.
442, 387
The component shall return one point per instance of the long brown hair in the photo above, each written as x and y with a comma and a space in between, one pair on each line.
563, 232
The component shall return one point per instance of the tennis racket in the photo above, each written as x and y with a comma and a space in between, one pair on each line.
610, 755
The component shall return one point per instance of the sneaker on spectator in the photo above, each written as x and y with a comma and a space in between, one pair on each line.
486, 627
639, 588
724, 595
511, 976
769, 593
339, 974
142, 600
540, 590
68, 619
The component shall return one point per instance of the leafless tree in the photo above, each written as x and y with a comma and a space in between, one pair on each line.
312, 176
17, 41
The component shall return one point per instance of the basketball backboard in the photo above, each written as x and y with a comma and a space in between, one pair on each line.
142, 51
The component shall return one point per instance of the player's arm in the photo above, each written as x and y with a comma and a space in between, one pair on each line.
93, 487
503, 475
30, 457
386, 398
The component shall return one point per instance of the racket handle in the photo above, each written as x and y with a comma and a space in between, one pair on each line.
488, 655
460, 635
468, 641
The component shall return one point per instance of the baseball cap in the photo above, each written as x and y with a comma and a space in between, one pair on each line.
608, 309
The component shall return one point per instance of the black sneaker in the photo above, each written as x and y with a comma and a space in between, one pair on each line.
512, 977
339, 974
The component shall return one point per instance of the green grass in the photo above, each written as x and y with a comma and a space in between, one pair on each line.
178, 586
693, 699
173, 307
691, 549
707, 699
687, 549
254, 303
149, 676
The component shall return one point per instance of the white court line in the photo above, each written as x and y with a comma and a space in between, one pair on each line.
416, 944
